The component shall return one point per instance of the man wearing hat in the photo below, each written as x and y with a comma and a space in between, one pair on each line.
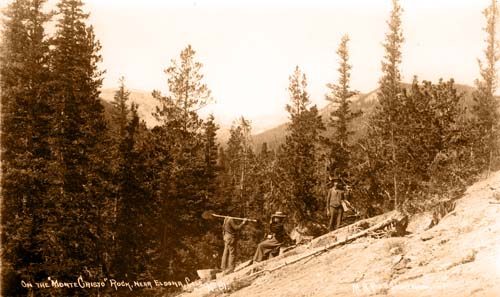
275, 238
334, 204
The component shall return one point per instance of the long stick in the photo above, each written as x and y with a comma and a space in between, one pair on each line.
235, 218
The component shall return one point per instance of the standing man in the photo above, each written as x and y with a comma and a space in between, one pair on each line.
230, 232
334, 207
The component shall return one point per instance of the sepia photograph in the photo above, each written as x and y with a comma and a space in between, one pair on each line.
204, 148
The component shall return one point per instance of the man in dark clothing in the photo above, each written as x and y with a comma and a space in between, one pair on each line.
334, 207
230, 231
274, 240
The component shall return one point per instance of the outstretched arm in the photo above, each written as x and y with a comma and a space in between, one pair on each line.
237, 226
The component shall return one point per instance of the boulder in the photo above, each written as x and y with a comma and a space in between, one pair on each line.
207, 274
420, 222
306, 232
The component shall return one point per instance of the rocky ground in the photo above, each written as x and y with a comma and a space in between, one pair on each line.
460, 256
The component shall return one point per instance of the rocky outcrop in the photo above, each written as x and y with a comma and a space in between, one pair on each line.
457, 257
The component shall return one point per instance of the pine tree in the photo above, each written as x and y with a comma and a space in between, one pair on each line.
26, 155
340, 94
122, 110
486, 105
183, 181
211, 154
124, 208
384, 122
433, 145
206, 245
418, 136
247, 157
187, 93
245, 186
79, 133
449, 168
156, 146
299, 158
136, 206
342, 116
239, 156
118, 134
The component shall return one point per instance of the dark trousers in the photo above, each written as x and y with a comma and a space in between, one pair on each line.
336, 214
229, 252
265, 248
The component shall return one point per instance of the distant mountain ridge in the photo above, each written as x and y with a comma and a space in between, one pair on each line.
365, 102
274, 136
145, 101
147, 106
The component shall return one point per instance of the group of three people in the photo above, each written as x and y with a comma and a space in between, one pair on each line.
334, 208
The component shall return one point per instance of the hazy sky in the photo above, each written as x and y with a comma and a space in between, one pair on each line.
249, 48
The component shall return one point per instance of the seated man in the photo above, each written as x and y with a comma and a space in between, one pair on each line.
274, 240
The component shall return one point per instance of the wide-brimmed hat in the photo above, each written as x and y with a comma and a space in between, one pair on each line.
278, 214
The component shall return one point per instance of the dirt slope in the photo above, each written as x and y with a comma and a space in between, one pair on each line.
460, 256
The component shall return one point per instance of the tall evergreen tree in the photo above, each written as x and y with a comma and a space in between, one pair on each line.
445, 150
245, 184
118, 133
122, 110
26, 155
135, 207
124, 206
434, 145
239, 156
384, 122
183, 181
187, 93
211, 154
433, 149
340, 94
79, 143
486, 105
207, 245
342, 116
299, 157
